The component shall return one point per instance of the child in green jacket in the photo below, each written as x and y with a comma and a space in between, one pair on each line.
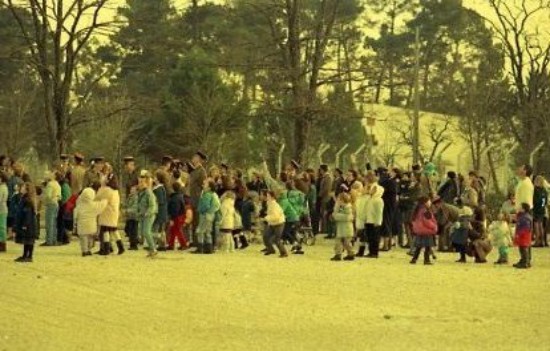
343, 217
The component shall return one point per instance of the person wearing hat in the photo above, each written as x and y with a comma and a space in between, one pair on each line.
130, 175
92, 177
166, 168
196, 180
78, 172
64, 166
51, 198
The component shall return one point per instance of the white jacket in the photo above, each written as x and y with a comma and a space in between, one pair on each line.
109, 217
86, 212
361, 211
227, 214
525, 192
374, 207
275, 215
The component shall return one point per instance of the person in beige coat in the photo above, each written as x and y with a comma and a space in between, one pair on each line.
108, 219
78, 173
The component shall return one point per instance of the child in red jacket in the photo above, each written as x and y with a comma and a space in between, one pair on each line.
523, 237
424, 227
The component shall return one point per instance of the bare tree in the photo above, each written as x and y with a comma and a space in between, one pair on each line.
56, 38
517, 28
439, 134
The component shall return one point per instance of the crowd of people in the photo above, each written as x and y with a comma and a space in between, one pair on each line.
220, 209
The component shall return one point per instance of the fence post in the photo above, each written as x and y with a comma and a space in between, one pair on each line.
338, 154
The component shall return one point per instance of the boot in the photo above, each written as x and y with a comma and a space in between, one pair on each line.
416, 254
336, 258
120, 247
427, 255
105, 249
361, 252
208, 249
2, 247
236, 242
199, 250
349, 258
133, 247
244, 242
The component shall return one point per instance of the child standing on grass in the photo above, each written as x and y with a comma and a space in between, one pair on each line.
181, 214
146, 211
501, 237
25, 222
131, 213
425, 228
227, 223
343, 217
85, 219
275, 219
209, 206
523, 237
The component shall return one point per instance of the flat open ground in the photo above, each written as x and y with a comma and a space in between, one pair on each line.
244, 301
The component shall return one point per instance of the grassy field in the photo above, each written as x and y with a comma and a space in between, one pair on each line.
244, 301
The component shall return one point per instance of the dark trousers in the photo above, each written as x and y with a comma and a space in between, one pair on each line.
61, 232
427, 253
274, 238
525, 254
131, 230
289, 233
461, 249
373, 238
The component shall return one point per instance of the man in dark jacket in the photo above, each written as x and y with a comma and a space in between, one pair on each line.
388, 182
449, 191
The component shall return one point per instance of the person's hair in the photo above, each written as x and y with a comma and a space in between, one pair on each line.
177, 187
370, 175
30, 197
271, 193
422, 201
528, 170
161, 177
283, 177
339, 171
17, 169
353, 173
323, 168
539, 181
213, 169
176, 173
60, 177
112, 181
451, 175
3, 177
473, 174
525, 207
211, 185
344, 198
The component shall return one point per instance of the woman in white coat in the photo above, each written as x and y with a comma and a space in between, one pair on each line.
85, 219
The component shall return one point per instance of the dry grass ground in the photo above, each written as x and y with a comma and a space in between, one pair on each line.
244, 301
